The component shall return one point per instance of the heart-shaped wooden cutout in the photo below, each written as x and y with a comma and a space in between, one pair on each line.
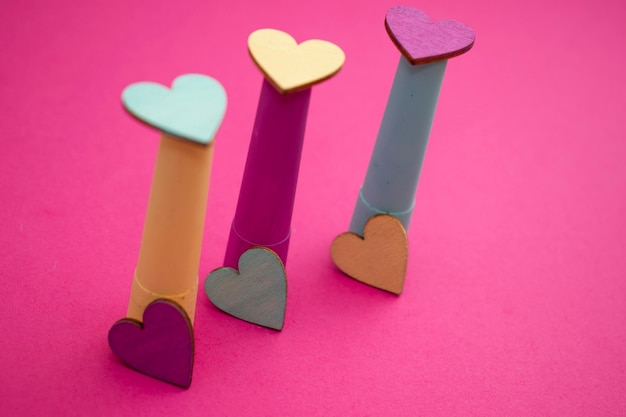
379, 258
161, 347
192, 109
422, 41
256, 294
291, 67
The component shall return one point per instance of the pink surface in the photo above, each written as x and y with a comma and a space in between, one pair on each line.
515, 299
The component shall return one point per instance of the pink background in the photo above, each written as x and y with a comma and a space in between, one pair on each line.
515, 300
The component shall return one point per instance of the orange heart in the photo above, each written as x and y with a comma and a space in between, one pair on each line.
379, 258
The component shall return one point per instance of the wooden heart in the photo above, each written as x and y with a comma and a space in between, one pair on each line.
422, 41
161, 347
192, 109
291, 67
379, 258
257, 293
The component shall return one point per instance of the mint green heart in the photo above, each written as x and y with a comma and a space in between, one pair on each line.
192, 109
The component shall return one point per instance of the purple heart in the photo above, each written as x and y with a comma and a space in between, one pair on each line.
162, 347
422, 41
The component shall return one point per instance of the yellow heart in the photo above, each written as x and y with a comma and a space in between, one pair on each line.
291, 67
378, 258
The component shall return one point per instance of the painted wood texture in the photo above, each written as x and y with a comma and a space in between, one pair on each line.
422, 41
192, 109
162, 346
169, 255
257, 293
291, 67
379, 258
396, 162
268, 188
165, 285
391, 181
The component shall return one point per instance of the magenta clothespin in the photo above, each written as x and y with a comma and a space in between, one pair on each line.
260, 232
268, 188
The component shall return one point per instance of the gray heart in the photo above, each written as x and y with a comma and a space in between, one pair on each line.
257, 293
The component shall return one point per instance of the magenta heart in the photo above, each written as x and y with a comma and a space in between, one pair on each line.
422, 41
161, 347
